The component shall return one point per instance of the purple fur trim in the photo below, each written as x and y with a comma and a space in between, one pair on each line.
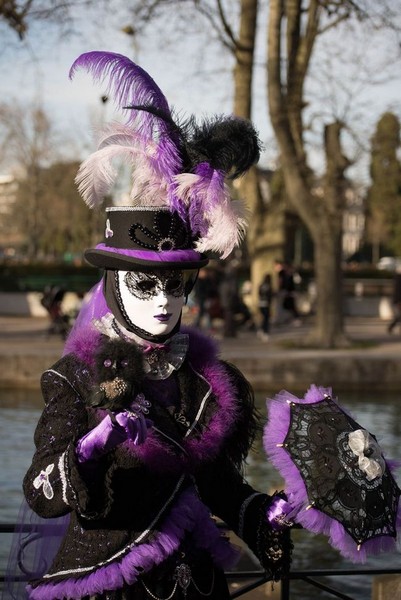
202, 349
84, 338
129, 84
221, 422
314, 520
160, 457
164, 256
202, 355
83, 344
189, 514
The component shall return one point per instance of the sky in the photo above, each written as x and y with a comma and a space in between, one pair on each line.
37, 71
194, 80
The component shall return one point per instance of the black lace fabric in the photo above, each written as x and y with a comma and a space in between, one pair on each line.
317, 442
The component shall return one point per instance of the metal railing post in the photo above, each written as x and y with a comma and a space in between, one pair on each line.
285, 589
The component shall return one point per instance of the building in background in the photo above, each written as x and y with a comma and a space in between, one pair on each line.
10, 238
354, 221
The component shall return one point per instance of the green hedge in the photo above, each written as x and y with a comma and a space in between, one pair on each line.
34, 278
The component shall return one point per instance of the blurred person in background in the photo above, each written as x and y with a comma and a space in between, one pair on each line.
396, 301
265, 295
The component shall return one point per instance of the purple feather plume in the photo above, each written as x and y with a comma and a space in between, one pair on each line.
129, 84
312, 519
183, 166
211, 212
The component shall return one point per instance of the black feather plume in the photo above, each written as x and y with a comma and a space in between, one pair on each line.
230, 144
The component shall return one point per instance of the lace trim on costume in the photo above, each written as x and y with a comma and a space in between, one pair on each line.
160, 362
105, 325
63, 478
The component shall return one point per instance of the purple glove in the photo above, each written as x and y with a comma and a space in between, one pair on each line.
135, 426
279, 514
111, 432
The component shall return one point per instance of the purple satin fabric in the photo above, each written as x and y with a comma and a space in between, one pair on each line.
135, 426
109, 433
164, 256
277, 514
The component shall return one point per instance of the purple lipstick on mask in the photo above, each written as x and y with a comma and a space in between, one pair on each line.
163, 318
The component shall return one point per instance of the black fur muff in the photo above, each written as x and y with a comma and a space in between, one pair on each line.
119, 374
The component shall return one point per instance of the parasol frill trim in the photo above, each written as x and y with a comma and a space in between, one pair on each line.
275, 432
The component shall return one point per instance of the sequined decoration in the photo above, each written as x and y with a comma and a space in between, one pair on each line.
183, 576
181, 418
145, 285
140, 405
114, 387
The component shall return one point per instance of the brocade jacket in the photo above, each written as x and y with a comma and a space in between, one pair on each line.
135, 509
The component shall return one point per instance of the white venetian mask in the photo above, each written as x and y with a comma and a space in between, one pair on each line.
153, 300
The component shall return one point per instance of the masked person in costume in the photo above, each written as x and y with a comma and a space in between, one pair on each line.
145, 430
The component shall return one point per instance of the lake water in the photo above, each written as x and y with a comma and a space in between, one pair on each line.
380, 414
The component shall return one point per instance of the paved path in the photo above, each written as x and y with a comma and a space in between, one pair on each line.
26, 350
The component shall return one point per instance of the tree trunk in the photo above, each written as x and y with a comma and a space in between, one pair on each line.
329, 324
244, 58
258, 239
321, 213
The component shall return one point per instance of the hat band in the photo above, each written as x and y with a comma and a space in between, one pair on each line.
163, 256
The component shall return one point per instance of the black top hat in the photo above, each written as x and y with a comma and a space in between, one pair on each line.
180, 206
145, 238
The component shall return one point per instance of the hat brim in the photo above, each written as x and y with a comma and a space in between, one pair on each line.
104, 259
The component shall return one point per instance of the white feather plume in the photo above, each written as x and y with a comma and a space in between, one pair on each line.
223, 218
97, 173
226, 229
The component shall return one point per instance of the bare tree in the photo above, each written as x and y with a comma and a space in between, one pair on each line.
67, 16
287, 71
294, 27
49, 214
293, 30
20, 15
26, 142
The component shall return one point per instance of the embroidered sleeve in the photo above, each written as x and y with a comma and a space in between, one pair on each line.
225, 492
53, 484
272, 548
